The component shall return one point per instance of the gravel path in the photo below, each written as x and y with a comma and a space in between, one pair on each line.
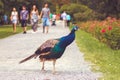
71, 66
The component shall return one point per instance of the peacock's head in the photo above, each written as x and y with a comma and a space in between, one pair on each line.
75, 28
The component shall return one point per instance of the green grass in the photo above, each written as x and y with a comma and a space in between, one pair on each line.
105, 59
7, 30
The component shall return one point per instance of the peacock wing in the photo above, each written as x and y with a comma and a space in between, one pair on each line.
46, 47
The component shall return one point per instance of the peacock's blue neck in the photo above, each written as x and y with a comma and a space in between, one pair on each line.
67, 40
72, 32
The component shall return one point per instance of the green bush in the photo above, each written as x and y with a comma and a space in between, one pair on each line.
83, 16
78, 11
70, 8
113, 38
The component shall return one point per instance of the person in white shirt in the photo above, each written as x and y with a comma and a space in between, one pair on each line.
14, 18
63, 15
54, 20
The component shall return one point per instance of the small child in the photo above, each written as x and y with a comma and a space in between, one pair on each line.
54, 20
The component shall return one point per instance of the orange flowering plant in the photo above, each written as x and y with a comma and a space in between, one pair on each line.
107, 31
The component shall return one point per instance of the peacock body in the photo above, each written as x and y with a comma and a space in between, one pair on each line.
59, 48
54, 48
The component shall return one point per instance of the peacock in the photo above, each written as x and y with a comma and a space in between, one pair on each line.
53, 49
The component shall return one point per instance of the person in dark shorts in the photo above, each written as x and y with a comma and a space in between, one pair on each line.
24, 15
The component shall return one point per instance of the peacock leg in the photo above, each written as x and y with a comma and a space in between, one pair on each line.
43, 65
54, 61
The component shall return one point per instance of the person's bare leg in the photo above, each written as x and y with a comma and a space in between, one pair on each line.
43, 29
65, 23
14, 27
24, 29
47, 29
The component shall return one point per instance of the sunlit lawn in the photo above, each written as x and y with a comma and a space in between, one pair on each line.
7, 30
105, 59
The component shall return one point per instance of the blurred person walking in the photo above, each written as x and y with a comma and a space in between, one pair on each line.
24, 15
54, 20
5, 18
14, 18
63, 16
51, 16
68, 18
45, 17
34, 17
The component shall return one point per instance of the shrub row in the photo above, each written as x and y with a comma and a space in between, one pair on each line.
107, 31
78, 12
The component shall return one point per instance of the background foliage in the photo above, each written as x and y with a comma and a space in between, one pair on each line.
100, 9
